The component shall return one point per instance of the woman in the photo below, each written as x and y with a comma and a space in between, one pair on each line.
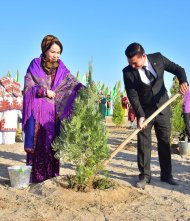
102, 105
49, 92
186, 113
108, 105
124, 101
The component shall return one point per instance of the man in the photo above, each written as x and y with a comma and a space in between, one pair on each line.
144, 84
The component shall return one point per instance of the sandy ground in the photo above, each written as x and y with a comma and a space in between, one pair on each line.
50, 201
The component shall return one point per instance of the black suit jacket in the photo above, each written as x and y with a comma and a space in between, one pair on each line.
143, 97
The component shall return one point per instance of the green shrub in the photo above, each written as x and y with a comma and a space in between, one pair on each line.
83, 138
118, 114
177, 121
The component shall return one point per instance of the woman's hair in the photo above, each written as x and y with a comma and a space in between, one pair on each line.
134, 49
48, 41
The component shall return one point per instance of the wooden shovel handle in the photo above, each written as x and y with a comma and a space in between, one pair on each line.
135, 132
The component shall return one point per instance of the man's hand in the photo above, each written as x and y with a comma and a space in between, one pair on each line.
51, 94
140, 123
183, 88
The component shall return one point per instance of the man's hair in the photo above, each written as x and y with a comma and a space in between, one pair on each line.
134, 49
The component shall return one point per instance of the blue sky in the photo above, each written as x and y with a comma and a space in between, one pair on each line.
94, 29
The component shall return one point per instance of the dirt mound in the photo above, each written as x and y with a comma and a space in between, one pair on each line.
51, 201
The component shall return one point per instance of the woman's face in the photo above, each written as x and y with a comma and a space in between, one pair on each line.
53, 53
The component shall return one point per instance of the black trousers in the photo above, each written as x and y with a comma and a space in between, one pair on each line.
162, 129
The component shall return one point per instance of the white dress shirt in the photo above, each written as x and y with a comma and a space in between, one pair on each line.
142, 72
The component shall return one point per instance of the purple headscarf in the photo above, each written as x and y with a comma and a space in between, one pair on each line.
43, 109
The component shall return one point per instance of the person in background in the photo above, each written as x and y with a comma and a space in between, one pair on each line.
49, 93
102, 105
131, 117
108, 105
186, 113
124, 101
144, 84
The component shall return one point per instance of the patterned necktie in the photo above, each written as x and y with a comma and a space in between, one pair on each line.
149, 75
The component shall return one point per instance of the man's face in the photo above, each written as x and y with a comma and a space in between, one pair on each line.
137, 61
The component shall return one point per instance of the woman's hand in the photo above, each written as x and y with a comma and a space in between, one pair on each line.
51, 94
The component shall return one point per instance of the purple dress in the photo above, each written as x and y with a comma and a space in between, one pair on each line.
186, 102
42, 116
186, 113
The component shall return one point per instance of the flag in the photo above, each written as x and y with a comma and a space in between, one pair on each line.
17, 76
85, 79
106, 91
118, 86
8, 74
102, 88
78, 76
114, 91
98, 85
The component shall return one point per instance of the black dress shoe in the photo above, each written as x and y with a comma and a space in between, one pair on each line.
142, 183
171, 181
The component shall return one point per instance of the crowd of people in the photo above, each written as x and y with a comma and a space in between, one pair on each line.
106, 108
